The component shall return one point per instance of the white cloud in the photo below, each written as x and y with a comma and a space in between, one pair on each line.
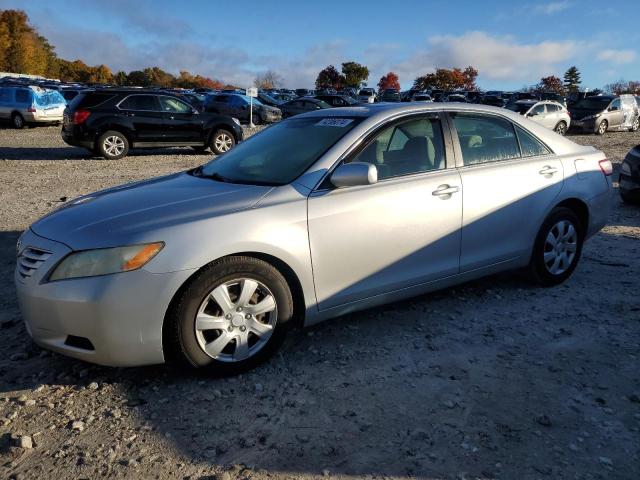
617, 57
552, 7
495, 57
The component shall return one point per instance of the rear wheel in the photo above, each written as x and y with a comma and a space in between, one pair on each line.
232, 316
17, 120
561, 128
635, 125
112, 145
557, 248
222, 141
602, 127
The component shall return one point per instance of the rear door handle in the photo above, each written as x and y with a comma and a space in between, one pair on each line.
547, 170
445, 191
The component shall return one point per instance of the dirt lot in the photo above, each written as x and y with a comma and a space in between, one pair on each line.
494, 379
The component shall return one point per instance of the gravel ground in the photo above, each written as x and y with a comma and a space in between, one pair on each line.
492, 379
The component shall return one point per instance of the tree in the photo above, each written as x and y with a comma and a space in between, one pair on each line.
550, 84
354, 74
621, 87
390, 80
267, 80
446, 79
329, 77
572, 79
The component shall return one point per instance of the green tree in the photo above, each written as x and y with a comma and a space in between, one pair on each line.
354, 74
572, 79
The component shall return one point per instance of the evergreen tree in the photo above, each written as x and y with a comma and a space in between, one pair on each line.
572, 79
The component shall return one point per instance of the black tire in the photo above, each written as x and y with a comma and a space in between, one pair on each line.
602, 127
537, 267
112, 154
17, 121
561, 128
256, 119
221, 141
181, 320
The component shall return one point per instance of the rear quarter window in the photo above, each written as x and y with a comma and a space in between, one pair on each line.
23, 96
92, 100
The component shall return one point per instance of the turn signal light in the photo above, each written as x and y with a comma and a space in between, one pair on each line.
142, 257
80, 116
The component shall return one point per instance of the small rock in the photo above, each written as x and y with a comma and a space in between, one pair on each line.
223, 476
543, 420
448, 404
605, 461
25, 442
77, 425
93, 386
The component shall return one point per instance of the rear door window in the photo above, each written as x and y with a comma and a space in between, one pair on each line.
530, 145
92, 99
6, 95
485, 139
146, 103
23, 96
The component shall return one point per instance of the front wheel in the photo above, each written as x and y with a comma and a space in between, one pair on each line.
222, 141
112, 145
557, 248
232, 316
635, 125
602, 127
561, 128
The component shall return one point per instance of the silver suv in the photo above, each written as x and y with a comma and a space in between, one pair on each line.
603, 113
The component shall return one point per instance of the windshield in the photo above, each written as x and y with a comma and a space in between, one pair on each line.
593, 103
280, 153
519, 107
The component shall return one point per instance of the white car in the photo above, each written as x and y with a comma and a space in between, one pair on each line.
367, 95
552, 115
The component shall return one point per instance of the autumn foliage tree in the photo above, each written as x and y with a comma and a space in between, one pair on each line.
267, 80
390, 80
330, 77
550, 84
24, 51
448, 79
621, 86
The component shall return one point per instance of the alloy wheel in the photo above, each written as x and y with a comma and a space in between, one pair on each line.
236, 320
561, 128
223, 142
113, 145
18, 121
635, 125
560, 247
602, 128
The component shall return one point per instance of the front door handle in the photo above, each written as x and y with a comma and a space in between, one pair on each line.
548, 170
445, 191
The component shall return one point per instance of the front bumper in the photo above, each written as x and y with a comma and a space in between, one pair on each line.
120, 314
590, 125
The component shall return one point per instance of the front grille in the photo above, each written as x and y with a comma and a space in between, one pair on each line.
30, 260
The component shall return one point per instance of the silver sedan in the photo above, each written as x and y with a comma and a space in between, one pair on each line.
315, 217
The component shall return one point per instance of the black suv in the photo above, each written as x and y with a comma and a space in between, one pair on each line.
109, 122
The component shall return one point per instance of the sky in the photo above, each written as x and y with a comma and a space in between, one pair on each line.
512, 43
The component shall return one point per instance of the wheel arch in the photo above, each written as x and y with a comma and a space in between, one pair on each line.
214, 127
292, 279
580, 208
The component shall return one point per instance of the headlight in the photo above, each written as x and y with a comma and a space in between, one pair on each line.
235, 120
103, 261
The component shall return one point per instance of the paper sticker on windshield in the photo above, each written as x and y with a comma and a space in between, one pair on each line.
334, 122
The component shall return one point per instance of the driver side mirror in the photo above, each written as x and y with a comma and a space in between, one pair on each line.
354, 174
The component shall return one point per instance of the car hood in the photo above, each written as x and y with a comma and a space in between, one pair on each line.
131, 213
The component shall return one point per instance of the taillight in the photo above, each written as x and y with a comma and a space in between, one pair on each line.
80, 116
31, 110
606, 167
